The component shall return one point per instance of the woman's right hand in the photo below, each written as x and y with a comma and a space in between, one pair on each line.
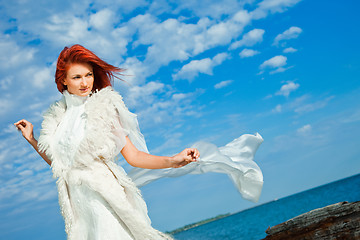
185, 157
26, 129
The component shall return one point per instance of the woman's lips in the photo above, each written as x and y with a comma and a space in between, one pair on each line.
84, 89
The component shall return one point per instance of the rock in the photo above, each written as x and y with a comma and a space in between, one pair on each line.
337, 221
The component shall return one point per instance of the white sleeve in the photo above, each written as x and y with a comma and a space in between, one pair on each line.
119, 134
129, 123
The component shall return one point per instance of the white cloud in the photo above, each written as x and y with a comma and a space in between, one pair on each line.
12, 55
287, 88
121, 6
26, 173
95, 32
25, 177
272, 6
159, 7
179, 96
168, 109
206, 65
274, 62
138, 95
66, 29
219, 23
304, 130
210, 8
10, 128
354, 116
168, 40
42, 77
175, 39
313, 106
172, 39
277, 109
171, 141
219, 58
5, 106
302, 105
223, 84
280, 69
102, 20
289, 50
221, 33
192, 69
136, 71
248, 53
292, 32
249, 39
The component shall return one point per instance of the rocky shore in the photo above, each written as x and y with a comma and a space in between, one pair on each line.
336, 221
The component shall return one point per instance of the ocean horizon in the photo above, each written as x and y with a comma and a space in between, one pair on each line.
251, 223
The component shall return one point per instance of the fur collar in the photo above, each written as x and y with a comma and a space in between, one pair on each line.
103, 109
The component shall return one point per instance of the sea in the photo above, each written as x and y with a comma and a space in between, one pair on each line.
252, 223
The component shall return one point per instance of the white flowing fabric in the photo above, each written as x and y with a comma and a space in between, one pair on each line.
234, 159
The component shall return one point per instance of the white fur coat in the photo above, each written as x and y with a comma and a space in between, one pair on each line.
93, 165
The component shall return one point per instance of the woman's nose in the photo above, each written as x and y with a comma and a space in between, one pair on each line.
83, 81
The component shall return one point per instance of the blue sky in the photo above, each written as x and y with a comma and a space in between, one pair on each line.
197, 70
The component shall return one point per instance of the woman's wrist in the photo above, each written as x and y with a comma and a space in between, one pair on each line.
170, 162
32, 141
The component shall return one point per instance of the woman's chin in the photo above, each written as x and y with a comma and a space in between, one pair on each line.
83, 93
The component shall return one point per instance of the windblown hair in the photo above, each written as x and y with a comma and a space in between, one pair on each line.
104, 73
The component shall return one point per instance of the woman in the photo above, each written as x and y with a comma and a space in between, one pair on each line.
85, 130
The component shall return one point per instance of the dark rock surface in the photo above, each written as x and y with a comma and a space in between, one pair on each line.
337, 221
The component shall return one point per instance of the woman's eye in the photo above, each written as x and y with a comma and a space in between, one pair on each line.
76, 77
89, 74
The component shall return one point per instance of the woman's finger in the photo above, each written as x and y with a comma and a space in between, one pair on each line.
23, 123
19, 128
194, 153
188, 158
20, 121
197, 153
191, 158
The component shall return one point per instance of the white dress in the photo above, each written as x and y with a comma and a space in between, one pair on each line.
95, 219
83, 136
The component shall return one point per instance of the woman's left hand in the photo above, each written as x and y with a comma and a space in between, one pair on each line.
185, 157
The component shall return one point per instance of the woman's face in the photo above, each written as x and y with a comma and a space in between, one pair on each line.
79, 79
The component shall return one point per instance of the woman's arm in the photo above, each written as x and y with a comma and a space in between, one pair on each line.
141, 159
26, 129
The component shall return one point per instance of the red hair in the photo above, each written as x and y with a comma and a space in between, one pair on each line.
103, 72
